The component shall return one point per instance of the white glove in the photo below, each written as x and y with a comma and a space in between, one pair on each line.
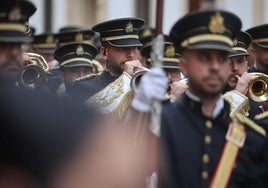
153, 86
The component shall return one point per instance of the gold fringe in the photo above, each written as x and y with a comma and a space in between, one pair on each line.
120, 110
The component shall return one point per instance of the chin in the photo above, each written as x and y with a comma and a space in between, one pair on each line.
214, 91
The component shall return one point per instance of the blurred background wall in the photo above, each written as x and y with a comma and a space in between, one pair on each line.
54, 14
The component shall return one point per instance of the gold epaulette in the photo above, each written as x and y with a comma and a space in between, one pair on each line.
261, 115
89, 76
249, 123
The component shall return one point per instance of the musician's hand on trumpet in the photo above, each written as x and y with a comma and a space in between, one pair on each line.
243, 82
177, 88
33, 74
253, 85
131, 67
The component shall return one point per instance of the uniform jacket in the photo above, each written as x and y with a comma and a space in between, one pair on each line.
84, 89
191, 146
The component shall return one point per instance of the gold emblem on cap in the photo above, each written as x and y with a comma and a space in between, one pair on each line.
28, 29
78, 37
79, 51
49, 39
235, 42
170, 51
146, 33
216, 24
129, 27
15, 14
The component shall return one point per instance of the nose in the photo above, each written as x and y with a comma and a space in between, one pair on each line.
234, 66
215, 64
131, 52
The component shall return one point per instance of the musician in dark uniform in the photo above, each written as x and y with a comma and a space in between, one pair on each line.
238, 57
196, 148
235, 91
259, 43
13, 38
75, 61
14, 170
146, 35
259, 50
120, 50
38, 132
69, 35
45, 45
170, 64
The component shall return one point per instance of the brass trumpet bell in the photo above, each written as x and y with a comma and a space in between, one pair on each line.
136, 78
258, 87
33, 75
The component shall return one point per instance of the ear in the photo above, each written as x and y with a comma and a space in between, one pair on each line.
183, 66
104, 52
252, 51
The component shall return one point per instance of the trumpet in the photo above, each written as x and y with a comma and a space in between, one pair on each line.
33, 75
136, 78
258, 87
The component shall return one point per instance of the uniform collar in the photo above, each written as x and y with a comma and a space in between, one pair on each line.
217, 109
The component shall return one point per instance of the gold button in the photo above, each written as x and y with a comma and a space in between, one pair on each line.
207, 139
208, 124
204, 175
205, 158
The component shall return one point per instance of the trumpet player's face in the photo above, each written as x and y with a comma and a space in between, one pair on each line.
117, 57
207, 70
11, 60
239, 66
261, 58
70, 74
173, 74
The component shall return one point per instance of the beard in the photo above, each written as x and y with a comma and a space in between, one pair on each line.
203, 89
115, 68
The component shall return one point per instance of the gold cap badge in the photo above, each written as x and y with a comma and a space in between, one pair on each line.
170, 51
235, 42
49, 39
78, 37
79, 51
216, 24
146, 33
129, 28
